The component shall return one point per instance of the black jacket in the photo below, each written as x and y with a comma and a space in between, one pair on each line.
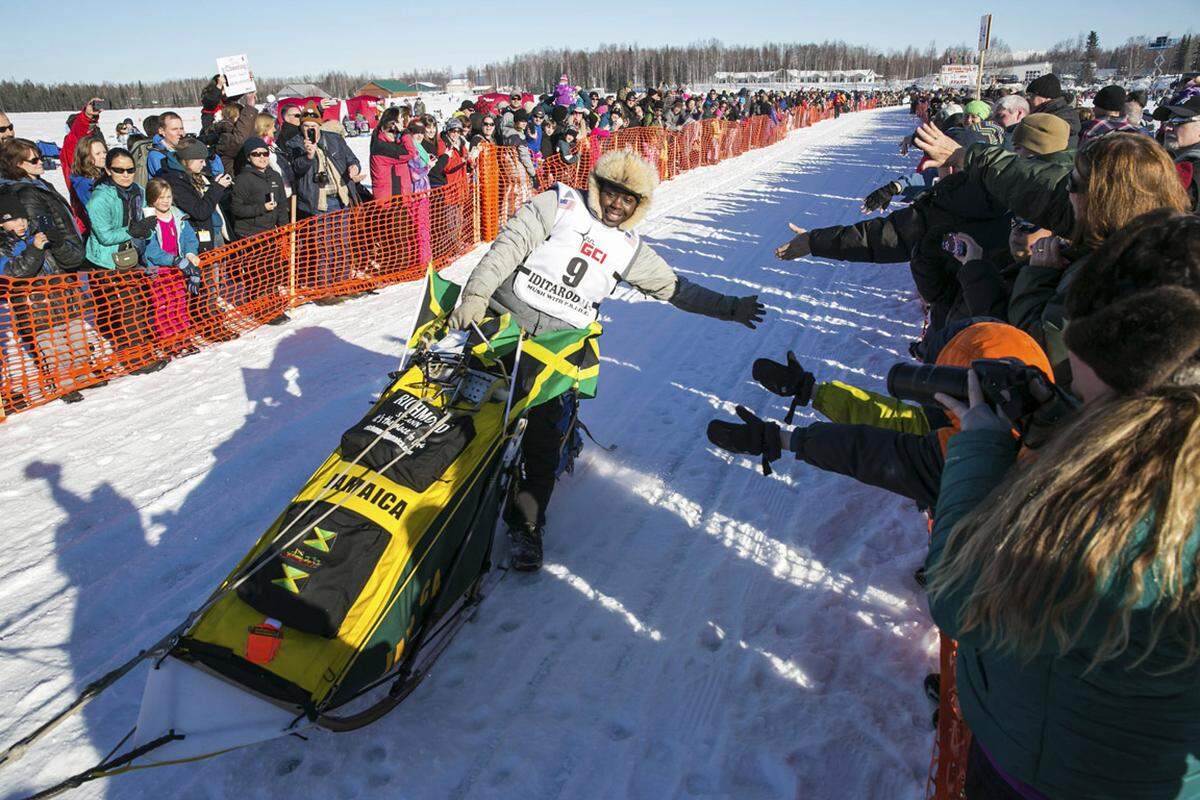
250, 192
199, 206
905, 463
49, 212
18, 257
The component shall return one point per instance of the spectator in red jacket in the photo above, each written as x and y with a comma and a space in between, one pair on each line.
453, 156
82, 125
389, 158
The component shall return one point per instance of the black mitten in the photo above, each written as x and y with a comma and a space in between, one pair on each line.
786, 380
755, 437
879, 199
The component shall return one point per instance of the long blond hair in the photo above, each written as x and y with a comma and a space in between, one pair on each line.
1126, 175
1064, 531
1043, 545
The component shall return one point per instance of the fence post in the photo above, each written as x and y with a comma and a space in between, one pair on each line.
292, 256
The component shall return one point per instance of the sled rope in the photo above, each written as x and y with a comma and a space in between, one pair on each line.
17, 750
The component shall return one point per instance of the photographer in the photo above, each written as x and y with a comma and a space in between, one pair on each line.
326, 171
48, 212
877, 440
1069, 580
211, 99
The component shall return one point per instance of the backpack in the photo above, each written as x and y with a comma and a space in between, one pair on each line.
140, 150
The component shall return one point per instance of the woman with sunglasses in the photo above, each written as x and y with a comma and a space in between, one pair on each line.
258, 194
115, 209
48, 211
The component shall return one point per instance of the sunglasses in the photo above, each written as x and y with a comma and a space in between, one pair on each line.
122, 170
34, 160
5, 128
259, 154
489, 125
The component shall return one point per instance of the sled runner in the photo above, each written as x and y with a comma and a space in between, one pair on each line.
337, 612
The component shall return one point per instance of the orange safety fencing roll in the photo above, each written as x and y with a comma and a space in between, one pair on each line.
61, 333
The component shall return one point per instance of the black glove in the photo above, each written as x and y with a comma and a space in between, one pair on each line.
879, 199
748, 311
191, 274
786, 380
755, 437
142, 228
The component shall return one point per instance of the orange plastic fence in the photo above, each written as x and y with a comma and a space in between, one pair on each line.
948, 767
66, 332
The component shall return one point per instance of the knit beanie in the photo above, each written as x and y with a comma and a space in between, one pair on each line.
189, 149
252, 144
1042, 134
11, 208
978, 108
559, 114
520, 115
1046, 86
1110, 98
1134, 307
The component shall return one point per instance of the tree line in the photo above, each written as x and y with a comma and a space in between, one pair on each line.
613, 66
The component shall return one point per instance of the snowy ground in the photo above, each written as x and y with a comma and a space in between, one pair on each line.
698, 630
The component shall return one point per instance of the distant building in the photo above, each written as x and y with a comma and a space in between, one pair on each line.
865, 77
458, 85
384, 89
303, 90
1017, 73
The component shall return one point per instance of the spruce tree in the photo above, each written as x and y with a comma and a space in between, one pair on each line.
1091, 53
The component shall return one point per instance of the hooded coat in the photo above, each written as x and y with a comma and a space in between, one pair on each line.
49, 212
492, 279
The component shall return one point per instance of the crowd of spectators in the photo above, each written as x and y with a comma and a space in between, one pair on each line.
1052, 433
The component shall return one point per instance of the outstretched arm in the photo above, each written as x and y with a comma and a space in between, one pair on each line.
651, 275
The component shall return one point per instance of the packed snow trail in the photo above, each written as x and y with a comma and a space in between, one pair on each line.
698, 629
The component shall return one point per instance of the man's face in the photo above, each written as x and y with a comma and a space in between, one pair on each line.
6, 127
1009, 117
1182, 135
1036, 100
172, 131
616, 206
292, 116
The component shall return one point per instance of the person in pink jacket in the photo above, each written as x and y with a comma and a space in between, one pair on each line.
390, 174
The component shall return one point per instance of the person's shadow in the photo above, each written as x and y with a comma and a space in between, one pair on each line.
135, 574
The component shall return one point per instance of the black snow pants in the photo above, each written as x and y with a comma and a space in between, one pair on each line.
541, 450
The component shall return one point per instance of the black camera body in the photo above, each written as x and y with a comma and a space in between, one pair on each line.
321, 179
1021, 393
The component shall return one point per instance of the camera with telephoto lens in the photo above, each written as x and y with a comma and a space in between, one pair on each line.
1021, 393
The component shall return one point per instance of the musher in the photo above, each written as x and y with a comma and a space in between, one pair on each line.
550, 267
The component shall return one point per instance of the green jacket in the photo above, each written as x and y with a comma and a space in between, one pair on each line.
108, 232
1034, 189
1038, 306
1116, 732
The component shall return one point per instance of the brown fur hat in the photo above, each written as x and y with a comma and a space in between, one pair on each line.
1134, 308
630, 172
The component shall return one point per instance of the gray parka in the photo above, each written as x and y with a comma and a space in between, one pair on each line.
492, 279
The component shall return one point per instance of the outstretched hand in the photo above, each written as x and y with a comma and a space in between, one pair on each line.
798, 247
748, 311
939, 148
879, 199
785, 380
754, 436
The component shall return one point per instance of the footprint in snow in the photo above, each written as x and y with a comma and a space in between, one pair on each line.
618, 732
510, 625
288, 766
374, 755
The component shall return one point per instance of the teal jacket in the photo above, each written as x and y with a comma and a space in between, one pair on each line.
1116, 732
107, 232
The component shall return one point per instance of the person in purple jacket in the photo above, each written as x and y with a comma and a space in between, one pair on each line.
564, 95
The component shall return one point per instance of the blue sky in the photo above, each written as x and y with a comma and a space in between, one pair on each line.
170, 39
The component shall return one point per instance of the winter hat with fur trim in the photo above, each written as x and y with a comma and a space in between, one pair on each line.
628, 172
1134, 308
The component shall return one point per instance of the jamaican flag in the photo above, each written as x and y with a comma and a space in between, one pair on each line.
551, 364
437, 301
555, 363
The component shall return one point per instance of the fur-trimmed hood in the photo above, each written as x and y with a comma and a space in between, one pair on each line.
630, 172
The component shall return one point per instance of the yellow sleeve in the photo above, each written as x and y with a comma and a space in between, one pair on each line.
847, 404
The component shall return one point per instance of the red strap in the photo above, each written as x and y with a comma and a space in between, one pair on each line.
1187, 171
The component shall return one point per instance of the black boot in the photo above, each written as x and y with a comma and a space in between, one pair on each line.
526, 547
